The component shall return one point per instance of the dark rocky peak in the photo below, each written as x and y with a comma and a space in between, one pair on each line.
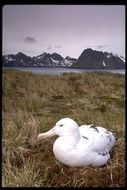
88, 51
67, 57
21, 55
93, 59
42, 55
70, 59
56, 56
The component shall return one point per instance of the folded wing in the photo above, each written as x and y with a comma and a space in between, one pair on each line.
102, 140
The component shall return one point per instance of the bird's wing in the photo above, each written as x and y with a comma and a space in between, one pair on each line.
101, 139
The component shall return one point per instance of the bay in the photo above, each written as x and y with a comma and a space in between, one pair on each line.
59, 71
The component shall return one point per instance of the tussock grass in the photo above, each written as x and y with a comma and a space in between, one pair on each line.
34, 103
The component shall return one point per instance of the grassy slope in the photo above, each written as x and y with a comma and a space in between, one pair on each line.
34, 103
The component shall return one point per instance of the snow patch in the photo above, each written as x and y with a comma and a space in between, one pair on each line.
123, 59
55, 61
39, 57
67, 62
104, 63
108, 56
10, 59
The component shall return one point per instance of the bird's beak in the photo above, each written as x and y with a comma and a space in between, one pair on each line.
47, 134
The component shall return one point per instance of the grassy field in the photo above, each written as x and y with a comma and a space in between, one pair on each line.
34, 103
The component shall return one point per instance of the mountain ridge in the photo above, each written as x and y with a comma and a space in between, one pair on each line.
89, 59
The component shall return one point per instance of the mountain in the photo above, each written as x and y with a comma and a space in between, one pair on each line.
48, 60
18, 60
43, 60
89, 59
68, 61
92, 59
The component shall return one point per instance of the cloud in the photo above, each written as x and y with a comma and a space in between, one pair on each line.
59, 46
102, 46
56, 47
30, 40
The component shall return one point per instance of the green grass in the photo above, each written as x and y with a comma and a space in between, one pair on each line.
34, 103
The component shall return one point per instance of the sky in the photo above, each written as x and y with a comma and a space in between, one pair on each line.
64, 29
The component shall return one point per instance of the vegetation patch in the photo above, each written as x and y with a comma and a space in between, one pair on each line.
34, 103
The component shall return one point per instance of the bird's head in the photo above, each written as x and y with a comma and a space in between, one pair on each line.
64, 127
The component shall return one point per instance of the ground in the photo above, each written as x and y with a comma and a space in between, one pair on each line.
33, 103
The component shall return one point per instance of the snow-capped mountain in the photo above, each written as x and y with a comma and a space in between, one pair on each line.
89, 59
68, 61
46, 59
18, 60
43, 60
92, 59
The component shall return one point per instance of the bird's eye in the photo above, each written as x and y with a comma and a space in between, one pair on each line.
61, 125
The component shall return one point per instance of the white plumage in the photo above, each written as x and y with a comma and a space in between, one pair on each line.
86, 145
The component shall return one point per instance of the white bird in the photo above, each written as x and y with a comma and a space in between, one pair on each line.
87, 145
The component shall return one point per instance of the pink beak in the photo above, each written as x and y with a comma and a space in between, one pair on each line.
47, 134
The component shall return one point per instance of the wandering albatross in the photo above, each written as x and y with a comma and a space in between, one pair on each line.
87, 145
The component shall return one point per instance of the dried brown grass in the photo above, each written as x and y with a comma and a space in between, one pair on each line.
34, 103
